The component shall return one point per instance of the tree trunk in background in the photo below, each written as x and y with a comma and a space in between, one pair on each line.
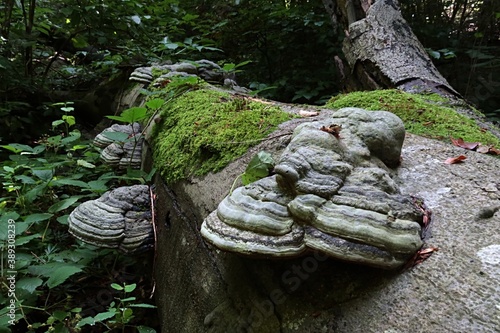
381, 49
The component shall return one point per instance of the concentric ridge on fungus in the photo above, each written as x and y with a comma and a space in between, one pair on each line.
331, 193
120, 219
122, 154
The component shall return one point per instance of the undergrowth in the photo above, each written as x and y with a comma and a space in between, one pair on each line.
49, 281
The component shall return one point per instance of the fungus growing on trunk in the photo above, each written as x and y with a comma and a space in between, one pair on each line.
122, 145
332, 192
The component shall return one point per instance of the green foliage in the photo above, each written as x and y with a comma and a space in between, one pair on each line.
422, 114
291, 47
131, 115
204, 130
260, 166
462, 40
40, 185
119, 313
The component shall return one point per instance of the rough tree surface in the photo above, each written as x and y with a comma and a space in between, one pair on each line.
202, 289
381, 49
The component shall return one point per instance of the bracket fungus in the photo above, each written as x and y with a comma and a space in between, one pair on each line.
331, 192
122, 145
120, 219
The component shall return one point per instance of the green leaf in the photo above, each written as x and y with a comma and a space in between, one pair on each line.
29, 284
130, 287
104, 315
44, 174
17, 148
85, 164
98, 185
127, 314
77, 147
228, 67
433, 54
128, 299
35, 192
86, 321
63, 204
116, 286
6, 216
56, 123
155, 103
38, 149
25, 179
72, 182
116, 136
60, 315
37, 217
61, 274
145, 329
60, 328
150, 175
171, 46
63, 219
73, 136
21, 227
258, 168
79, 42
67, 109
143, 305
46, 269
26, 239
131, 115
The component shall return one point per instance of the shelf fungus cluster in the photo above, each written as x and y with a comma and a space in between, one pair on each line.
205, 69
122, 145
120, 219
331, 192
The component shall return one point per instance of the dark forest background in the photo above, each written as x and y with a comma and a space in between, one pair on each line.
53, 51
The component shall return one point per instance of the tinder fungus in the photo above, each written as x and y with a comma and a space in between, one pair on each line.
122, 145
120, 219
332, 192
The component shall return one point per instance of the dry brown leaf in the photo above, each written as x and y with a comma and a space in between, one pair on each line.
462, 144
454, 160
333, 129
494, 151
420, 256
304, 113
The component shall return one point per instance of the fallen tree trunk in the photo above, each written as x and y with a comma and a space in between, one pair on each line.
381, 50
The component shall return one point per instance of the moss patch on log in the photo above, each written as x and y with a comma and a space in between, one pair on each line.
426, 115
202, 131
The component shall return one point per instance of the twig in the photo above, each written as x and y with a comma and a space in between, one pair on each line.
255, 140
152, 198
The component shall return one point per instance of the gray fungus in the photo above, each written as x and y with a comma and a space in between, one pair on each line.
331, 192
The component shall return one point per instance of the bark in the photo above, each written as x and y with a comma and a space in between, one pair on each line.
381, 50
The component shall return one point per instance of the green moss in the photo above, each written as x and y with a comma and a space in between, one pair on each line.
204, 130
425, 115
